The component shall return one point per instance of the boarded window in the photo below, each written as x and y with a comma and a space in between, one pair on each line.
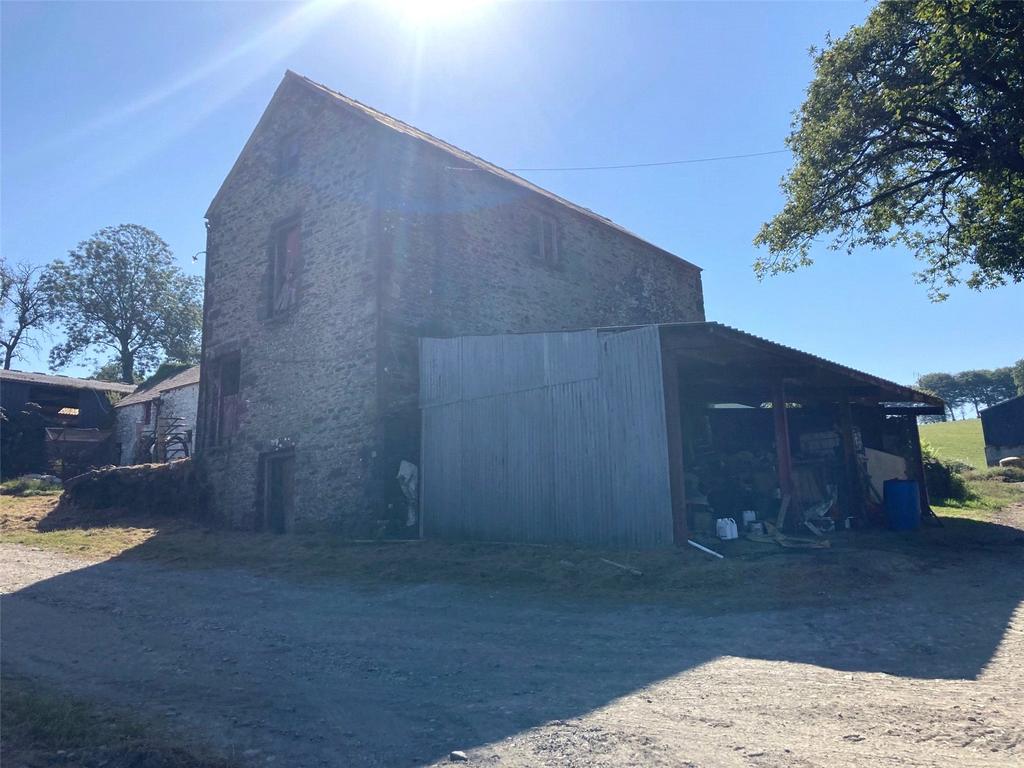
546, 240
226, 397
277, 480
285, 267
288, 154
147, 412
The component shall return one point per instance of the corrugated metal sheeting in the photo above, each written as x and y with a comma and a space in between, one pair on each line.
550, 437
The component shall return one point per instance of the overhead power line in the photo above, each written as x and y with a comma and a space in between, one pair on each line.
652, 165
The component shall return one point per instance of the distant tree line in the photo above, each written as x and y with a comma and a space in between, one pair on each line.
118, 300
978, 389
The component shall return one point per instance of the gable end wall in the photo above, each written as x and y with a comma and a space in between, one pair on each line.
308, 377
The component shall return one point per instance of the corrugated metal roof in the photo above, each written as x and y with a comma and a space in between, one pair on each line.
905, 393
186, 378
68, 382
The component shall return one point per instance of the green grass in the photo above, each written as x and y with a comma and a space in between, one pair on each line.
959, 440
29, 486
988, 495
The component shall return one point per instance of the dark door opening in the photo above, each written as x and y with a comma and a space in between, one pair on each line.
278, 491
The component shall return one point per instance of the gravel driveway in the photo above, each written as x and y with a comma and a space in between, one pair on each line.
313, 675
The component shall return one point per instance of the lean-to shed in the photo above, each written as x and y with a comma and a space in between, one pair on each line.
605, 437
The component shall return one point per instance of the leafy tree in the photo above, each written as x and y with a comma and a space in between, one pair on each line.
1000, 386
121, 291
1018, 376
25, 308
912, 133
111, 371
974, 387
943, 385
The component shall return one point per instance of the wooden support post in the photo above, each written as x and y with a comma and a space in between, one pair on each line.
783, 454
852, 462
674, 431
917, 462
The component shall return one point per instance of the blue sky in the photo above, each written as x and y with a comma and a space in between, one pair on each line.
134, 112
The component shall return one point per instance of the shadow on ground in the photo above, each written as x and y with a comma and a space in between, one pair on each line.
332, 673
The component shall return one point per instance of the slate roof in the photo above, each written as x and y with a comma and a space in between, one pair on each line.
461, 157
67, 382
186, 378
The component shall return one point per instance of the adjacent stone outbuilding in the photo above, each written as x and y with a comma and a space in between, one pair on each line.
342, 236
166, 409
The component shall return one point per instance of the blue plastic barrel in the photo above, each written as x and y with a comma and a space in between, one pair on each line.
902, 504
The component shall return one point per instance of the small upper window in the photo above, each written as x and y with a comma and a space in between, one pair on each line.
288, 154
287, 242
546, 239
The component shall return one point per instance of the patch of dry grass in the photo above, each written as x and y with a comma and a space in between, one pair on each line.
19, 524
44, 727
753, 574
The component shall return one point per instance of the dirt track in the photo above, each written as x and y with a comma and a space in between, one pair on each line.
292, 675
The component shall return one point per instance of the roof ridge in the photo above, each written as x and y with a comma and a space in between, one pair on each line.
64, 380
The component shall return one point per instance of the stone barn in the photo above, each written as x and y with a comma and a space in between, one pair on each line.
343, 237
340, 237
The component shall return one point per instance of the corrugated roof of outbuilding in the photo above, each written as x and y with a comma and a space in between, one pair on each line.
900, 392
68, 382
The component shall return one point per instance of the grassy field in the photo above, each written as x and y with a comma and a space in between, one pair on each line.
960, 440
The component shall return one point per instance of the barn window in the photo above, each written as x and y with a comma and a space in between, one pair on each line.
285, 268
147, 412
227, 385
545, 239
288, 154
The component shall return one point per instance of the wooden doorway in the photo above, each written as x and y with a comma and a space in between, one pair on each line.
278, 491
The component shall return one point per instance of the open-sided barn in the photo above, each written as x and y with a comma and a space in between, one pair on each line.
636, 437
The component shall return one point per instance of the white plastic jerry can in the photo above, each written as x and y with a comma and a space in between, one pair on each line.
726, 528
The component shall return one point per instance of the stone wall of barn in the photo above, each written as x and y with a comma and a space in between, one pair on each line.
308, 375
396, 244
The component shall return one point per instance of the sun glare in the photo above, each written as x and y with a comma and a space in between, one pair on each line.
435, 12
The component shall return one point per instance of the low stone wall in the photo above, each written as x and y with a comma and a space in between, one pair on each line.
174, 489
